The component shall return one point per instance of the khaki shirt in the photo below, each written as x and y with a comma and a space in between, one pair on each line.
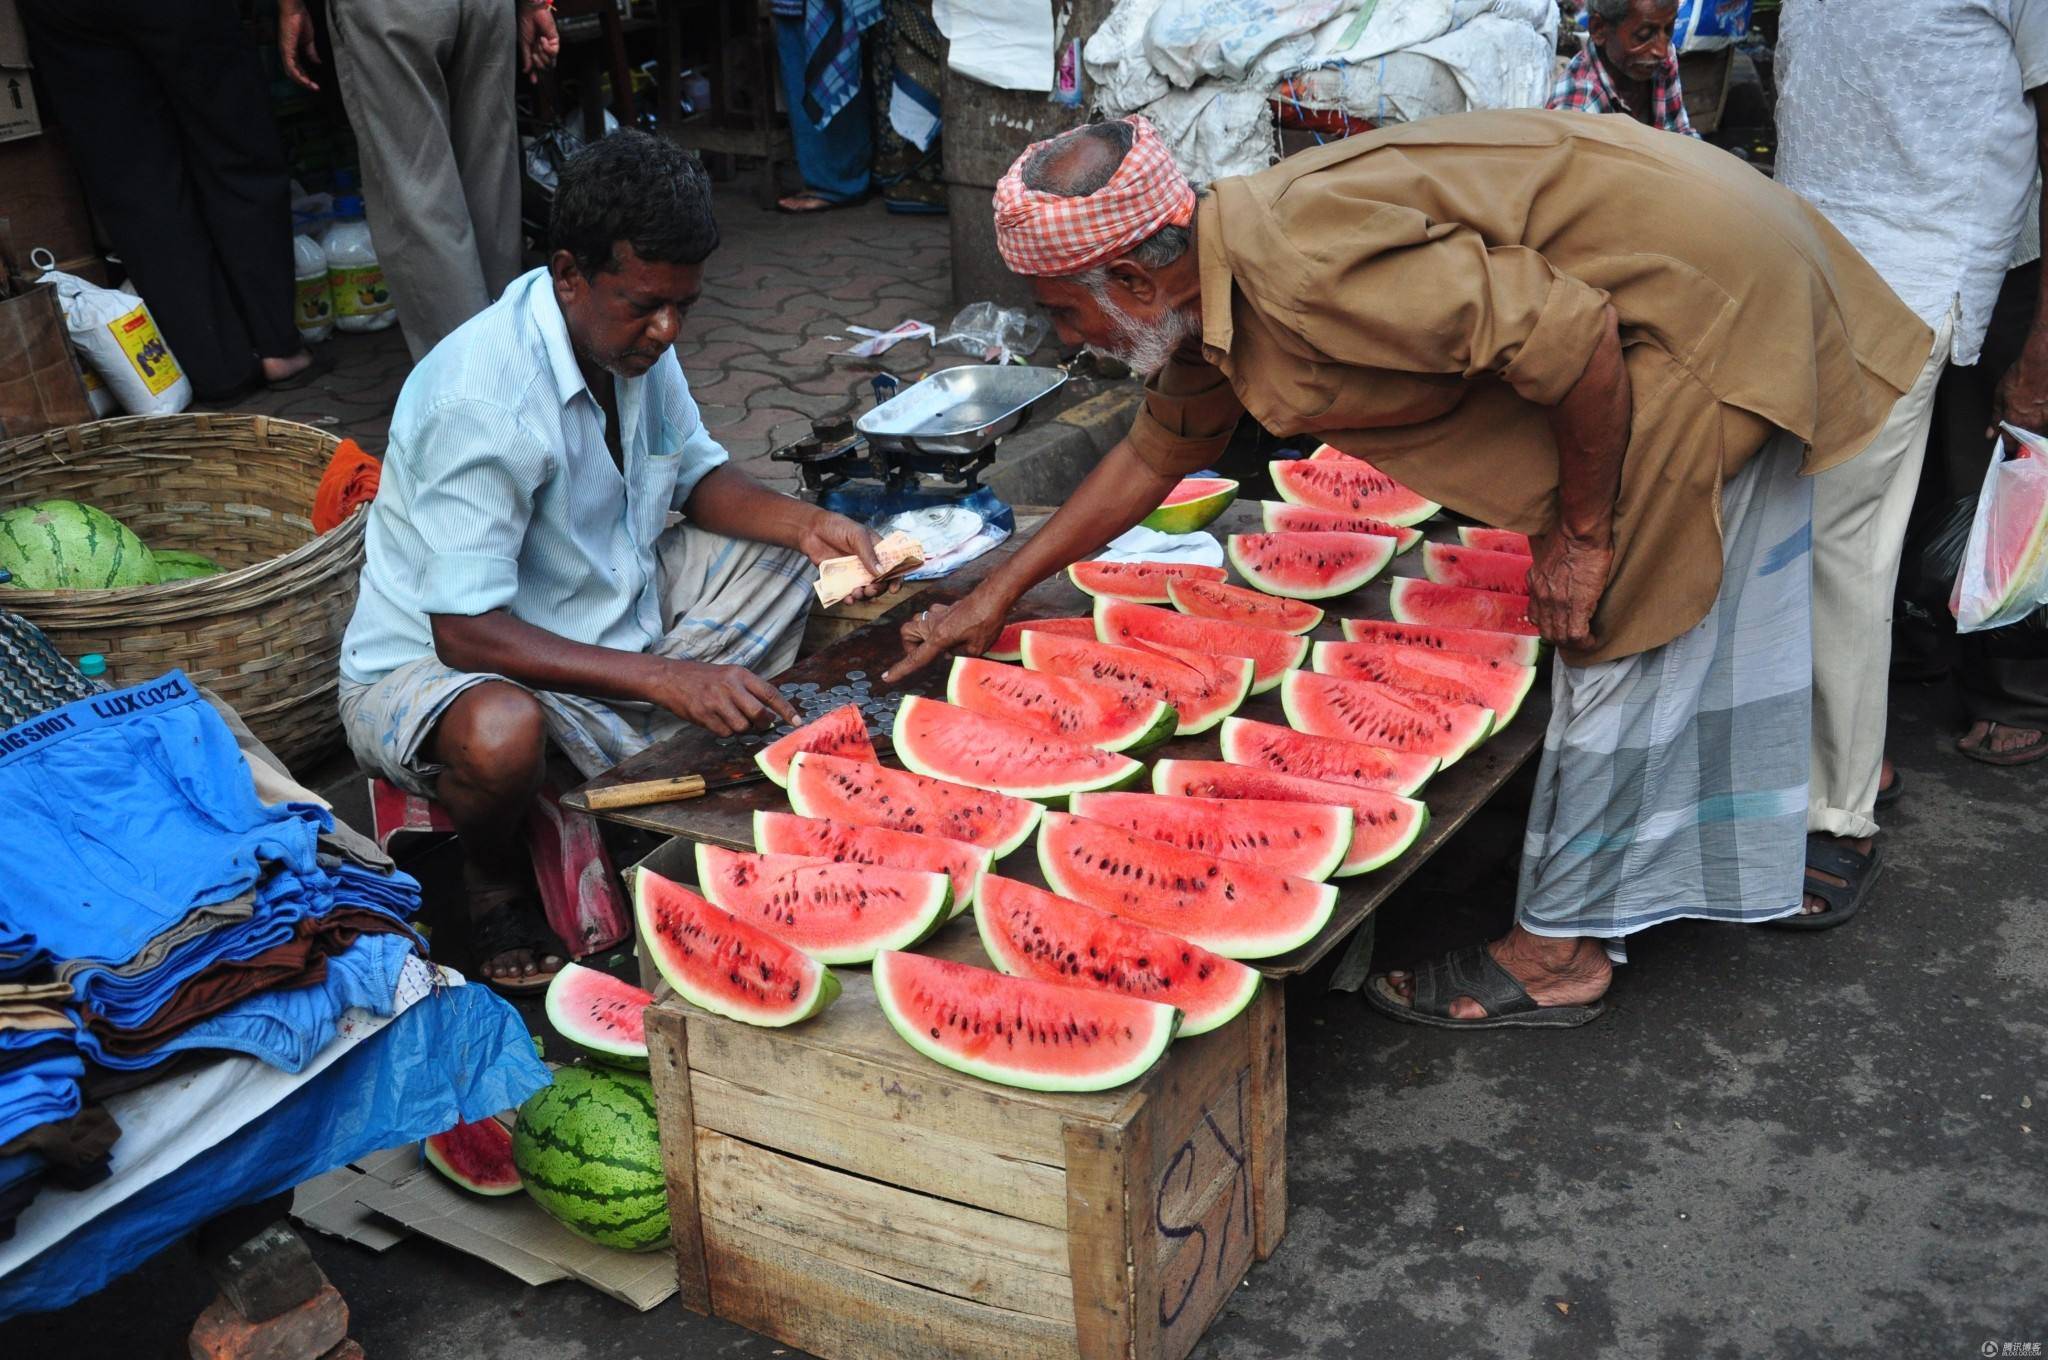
1418, 296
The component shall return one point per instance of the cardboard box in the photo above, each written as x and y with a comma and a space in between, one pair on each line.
18, 114
42, 204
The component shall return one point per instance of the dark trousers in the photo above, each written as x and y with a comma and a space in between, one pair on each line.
164, 104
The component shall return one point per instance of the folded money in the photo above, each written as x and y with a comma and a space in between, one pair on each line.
839, 577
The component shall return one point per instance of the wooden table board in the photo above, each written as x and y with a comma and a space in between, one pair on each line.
726, 817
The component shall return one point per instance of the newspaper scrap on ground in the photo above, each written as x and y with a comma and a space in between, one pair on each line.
839, 577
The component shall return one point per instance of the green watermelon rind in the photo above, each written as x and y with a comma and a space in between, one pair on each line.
822, 993
600, 1193
1315, 873
1156, 727
1164, 781
907, 1029
556, 1006
174, 564
1281, 471
1106, 631
963, 897
934, 912
1261, 579
1188, 516
1052, 795
1290, 704
800, 804
1320, 654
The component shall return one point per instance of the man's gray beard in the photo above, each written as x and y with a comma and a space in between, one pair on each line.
1142, 346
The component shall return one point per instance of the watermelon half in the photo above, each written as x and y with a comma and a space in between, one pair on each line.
600, 1014
785, 833
842, 790
1269, 746
1138, 582
1301, 840
1192, 505
1235, 604
1060, 706
1010, 642
1495, 540
722, 964
1441, 606
1029, 932
1383, 825
836, 913
1272, 653
1350, 485
1240, 911
842, 732
944, 741
1020, 1031
1498, 685
1476, 568
1200, 698
1280, 517
1523, 651
1309, 566
1380, 715
478, 1156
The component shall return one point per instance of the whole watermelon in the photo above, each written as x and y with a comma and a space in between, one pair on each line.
589, 1152
63, 545
178, 565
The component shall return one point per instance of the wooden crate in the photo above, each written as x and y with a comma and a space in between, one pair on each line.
833, 1189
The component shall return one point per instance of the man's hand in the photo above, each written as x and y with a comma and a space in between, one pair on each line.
2022, 397
295, 41
539, 44
1565, 587
829, 535
968, 628
723, 700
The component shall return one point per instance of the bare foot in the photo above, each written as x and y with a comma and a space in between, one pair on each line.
805, 203
1573, 972
278, 370
2001, 740
1811, 905
520, 965
1887, 776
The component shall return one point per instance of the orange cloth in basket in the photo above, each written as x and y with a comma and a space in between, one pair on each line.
350, 481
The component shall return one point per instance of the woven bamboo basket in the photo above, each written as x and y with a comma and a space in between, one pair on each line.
265, 634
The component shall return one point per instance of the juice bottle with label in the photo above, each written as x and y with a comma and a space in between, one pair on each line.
362, 300
312, 302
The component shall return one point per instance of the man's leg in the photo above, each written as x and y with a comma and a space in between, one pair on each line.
482, 75
834, 159
731, 601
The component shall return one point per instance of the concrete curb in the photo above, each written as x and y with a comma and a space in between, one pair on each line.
1043, 463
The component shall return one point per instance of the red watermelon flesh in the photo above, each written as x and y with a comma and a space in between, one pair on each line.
1350, 485
477, 1157
841, 790
1059, 706
1138, 582
1235, 604
1240, 911
836, 913
1495, 540
1010, 642
1524, 651
1440, 606
1272, 653
1498, 685
1476, 568
945, 741
1381, 715
1305, 565
1201, 698
722, 964
1300, 839
785, 833
842, 732
1383, 825
601, 1014
1029, 932
1280, 517
1269, 746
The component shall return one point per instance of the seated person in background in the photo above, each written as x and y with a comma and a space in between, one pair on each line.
523, 583
1630, 67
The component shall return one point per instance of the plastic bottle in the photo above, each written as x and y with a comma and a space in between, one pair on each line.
362, 300
312, 302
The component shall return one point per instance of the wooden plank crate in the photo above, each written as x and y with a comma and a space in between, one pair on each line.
834, 1189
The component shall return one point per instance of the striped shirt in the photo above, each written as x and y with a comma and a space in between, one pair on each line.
1585, 87
498, 491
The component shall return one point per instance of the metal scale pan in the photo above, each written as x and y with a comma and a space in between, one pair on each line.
958, 411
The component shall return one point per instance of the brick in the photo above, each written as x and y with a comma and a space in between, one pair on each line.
306, 1332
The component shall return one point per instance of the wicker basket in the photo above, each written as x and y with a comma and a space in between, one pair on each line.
265, 634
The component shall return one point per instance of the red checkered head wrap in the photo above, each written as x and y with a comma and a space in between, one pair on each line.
1051, 235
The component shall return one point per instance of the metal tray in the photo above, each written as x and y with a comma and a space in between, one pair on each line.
958, 410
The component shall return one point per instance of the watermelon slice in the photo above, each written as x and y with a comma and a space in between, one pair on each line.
1272, 653
1498, 685
1309, 566
1523, 651
1380, 715
1383, 825
722, 964
478, 1156
842, 732
1192, 505
1077, 710
1201, 698
600, 1014
1029, 932
785, 833
1440, 606
836, 913
1235, 604
1476, 568
1351, 485
1325, 453
1138, 582
1269, 746
1010, 642
1240, 911
1280, 517
842, 790
1020, 1031
1300, 840
1495, 540
944, 741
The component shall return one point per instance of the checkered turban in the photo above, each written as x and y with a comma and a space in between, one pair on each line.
1047, 234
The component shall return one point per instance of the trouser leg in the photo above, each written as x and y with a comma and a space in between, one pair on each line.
481, 119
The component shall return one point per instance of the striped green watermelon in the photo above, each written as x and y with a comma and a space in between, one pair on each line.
175, 565
63, 545
589, 1152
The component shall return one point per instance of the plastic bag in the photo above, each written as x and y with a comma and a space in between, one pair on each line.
120, 342
2004, 573
995, 334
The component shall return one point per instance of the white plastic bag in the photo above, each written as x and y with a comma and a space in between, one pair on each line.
2004, 576
120, 342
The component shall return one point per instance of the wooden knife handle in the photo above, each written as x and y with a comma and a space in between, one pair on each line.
645, 792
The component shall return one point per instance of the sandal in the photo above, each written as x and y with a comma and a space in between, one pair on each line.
1887, 797
2020, 755
1472, 972
807, 203
1857, 871
513, 924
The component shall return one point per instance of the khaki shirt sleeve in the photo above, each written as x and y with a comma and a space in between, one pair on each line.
1189, 414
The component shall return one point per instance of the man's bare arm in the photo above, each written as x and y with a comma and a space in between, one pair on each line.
1590, 427
2022, 396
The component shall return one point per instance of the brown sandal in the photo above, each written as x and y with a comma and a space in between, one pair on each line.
2034, 750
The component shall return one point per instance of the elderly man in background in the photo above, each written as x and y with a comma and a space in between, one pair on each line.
1630, 67
1462, 302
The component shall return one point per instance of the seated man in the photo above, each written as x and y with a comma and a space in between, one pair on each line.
522, 581
1629, 68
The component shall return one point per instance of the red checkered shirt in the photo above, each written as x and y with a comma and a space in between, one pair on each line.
1586, 87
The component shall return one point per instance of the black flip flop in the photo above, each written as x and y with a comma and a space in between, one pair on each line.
1859, 874
515, 923
1887, 797
1472, 972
